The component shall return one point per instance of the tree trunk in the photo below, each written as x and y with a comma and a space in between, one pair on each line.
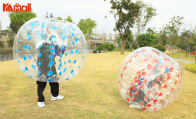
195, 59
187, 51
138, 33
122, 48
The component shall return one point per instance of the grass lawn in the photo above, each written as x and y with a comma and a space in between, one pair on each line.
92, 94
179, 55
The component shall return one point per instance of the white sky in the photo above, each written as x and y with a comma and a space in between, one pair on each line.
98, 9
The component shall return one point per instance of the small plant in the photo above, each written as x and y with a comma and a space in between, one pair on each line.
106, 47
191, 67
1, 44
160, 47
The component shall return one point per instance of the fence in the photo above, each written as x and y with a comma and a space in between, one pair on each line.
6, 57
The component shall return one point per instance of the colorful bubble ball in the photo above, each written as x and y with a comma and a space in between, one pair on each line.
50, 50
149, 79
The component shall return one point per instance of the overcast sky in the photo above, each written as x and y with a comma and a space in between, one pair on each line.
98, 9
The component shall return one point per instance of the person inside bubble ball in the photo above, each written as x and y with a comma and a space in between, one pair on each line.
48, 50
138, 96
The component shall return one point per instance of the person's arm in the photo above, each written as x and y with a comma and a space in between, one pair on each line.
57, 51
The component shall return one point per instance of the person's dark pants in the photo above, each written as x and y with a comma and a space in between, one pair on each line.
41, 86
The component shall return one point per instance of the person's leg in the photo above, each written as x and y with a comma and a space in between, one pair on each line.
40, 89
54, 88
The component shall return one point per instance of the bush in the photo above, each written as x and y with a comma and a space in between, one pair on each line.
146, 40
94, 51
1, 44
160, 47
106, 47
191, 67
10, 42
5, 50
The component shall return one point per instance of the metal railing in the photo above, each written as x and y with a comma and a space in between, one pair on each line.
6, 57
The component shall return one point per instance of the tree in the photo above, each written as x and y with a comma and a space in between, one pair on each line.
146, 13
128, 41
86, 26
11, 40
146, 40
125, 12
17, 19
1, 44
0, 26
172, 30
49, 16
151, 31
69, 19
59, 18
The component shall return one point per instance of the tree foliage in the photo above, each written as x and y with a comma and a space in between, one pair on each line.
17, 19
1, 44
125, 12
146, 40
87, 25
128, 41
10, 41
49, 15
146, 13
172, 29
0, 26
69, 19
59, 18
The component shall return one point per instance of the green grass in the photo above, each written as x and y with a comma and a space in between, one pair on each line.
92, 94
191, 67
180, 55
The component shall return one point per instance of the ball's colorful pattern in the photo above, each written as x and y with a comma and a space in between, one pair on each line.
149, 79
48, 50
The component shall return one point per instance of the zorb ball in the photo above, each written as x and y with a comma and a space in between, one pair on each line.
49, 50
149, 79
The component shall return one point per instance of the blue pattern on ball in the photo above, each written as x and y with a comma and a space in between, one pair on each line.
50, 73
26, 69
29, 47
74, 61
76, 40
49, 80
72, 52
29, 56
52, 50
53, 38
25, 47
72, 71
39, 63
39, 72
77, 51
51, 56
25, 58
73, 43
53, 27
40, 54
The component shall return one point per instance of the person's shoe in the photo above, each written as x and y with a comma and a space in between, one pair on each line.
59, 97
41, 104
